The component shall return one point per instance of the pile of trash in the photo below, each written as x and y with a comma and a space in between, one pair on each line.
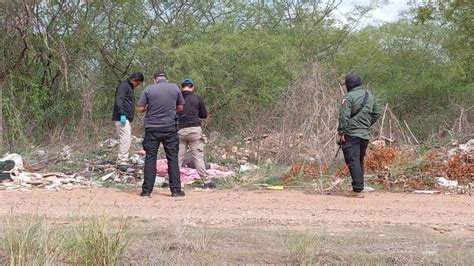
13, 177
450, 170
87, 172
124, 174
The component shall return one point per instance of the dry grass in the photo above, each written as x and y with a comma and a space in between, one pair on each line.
34, 240
302, 125
98, 241
300, 248
102, 241
30, 241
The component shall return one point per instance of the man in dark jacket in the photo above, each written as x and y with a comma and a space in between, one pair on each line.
359, 111
190, 131
123, 113
161, 101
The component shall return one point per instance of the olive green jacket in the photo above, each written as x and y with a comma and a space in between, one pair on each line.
359, 125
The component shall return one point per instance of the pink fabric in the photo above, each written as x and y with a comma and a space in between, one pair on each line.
188, 175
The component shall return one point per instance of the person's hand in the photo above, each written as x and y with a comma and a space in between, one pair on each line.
340, 139
123, 119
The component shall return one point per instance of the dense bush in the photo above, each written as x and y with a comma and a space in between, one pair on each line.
62, 60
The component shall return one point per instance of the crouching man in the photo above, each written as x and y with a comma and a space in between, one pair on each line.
190, 131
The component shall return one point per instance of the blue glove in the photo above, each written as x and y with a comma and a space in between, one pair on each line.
123, 119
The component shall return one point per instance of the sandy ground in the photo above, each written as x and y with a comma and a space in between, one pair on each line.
257, 208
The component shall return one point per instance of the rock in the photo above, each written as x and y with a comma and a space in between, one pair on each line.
234, 149
223, 156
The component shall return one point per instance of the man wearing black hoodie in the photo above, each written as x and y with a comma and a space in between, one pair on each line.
190, 131
123, 113
359, 111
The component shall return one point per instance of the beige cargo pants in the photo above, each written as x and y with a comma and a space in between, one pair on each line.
191, 138
125, 140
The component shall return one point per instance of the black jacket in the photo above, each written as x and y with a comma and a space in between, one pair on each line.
194, 111
124, 101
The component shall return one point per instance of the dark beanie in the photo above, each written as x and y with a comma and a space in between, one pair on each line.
352, 81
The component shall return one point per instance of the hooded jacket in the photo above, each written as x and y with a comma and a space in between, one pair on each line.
359, 125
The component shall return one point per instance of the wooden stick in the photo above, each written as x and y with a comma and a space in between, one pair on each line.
383, 119
409, 130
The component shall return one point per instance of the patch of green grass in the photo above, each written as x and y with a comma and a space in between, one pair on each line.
98, 241
300, 248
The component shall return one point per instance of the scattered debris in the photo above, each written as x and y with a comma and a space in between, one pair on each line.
335, 184
48, 181
189, 175
275, 187
137, 140
444, 182
109, 143
137, 160
368, 189
66, 153
107, 176
39, 153
248, 167
431, 192
466, 148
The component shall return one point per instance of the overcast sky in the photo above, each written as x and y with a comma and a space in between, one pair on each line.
385, 13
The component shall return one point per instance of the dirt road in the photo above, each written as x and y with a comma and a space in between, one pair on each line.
259, 208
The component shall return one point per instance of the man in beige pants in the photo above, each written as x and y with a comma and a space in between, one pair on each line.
123, 113
190, 131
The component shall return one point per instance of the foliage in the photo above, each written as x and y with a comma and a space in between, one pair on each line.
419, 64
61, 60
